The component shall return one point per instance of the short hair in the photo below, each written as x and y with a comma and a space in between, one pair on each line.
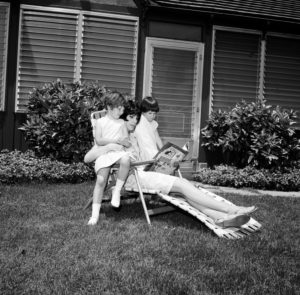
114, 99
131, 108
149, 103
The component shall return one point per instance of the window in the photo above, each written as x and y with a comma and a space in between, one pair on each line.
4, 24
246, 67
282, 72
75, 46
173, 73
109, 51
235, 68
47, 49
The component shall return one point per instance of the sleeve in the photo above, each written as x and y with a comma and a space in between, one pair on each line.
154, 125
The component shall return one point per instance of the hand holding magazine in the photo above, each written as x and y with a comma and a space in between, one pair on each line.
167, 159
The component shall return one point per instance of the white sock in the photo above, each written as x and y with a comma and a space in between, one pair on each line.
95, 214
116, 195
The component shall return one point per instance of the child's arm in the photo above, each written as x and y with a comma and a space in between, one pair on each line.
124, 139
158, 139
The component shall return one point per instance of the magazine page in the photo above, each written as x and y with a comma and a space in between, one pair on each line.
167, 159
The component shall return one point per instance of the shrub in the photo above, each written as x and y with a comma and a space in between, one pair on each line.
18, 167
58, 119
254, 133
223, 175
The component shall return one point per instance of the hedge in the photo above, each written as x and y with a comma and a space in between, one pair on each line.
18, 167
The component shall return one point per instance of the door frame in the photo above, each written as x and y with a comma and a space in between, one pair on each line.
198, 48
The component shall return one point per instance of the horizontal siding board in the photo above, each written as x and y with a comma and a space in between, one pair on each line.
109, 50
171, 86
114, 57
40, 37
28, 60
111, 30
94, 67
107, 38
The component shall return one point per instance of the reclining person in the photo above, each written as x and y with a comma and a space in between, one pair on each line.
223, 214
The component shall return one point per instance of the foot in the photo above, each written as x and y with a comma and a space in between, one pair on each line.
93, 220
115, 199
245, 210
233, 221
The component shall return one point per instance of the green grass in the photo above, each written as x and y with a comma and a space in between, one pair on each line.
47, 248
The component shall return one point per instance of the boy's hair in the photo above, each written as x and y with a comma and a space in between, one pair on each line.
131, 108
114, 99
149, 103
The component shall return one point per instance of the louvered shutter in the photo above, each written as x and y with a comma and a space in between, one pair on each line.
235, 68
110, 51
4, 20
173, 82
47, 49
282, 73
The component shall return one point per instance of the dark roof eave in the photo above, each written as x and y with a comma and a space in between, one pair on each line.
230, 13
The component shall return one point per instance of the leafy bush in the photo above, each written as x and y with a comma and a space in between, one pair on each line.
254, 133
58, 119
223, 175
18, 167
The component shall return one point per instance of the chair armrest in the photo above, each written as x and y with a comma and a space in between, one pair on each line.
134, 164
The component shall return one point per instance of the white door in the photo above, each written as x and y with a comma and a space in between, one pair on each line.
173, 75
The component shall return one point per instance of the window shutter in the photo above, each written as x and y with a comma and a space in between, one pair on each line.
173, 83
109, 51
235, 68
282, 73
4, 21
47, 49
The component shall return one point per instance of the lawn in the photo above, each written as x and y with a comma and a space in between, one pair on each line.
47, 248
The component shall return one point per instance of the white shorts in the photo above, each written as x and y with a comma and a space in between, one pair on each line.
152, 181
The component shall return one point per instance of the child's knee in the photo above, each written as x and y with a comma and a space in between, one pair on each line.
100, 180
125, 161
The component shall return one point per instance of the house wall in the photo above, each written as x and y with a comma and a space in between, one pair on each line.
155, 22
10, 121
196, 26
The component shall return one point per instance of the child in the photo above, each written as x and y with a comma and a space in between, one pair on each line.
110, 130
146, 131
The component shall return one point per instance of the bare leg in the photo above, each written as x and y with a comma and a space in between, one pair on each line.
223, 219
124, 168
122, 176
98, 192
202, 201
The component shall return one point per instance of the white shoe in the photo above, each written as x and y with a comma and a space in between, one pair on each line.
116, 199
93, 221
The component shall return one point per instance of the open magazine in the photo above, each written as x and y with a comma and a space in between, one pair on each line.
167, 159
